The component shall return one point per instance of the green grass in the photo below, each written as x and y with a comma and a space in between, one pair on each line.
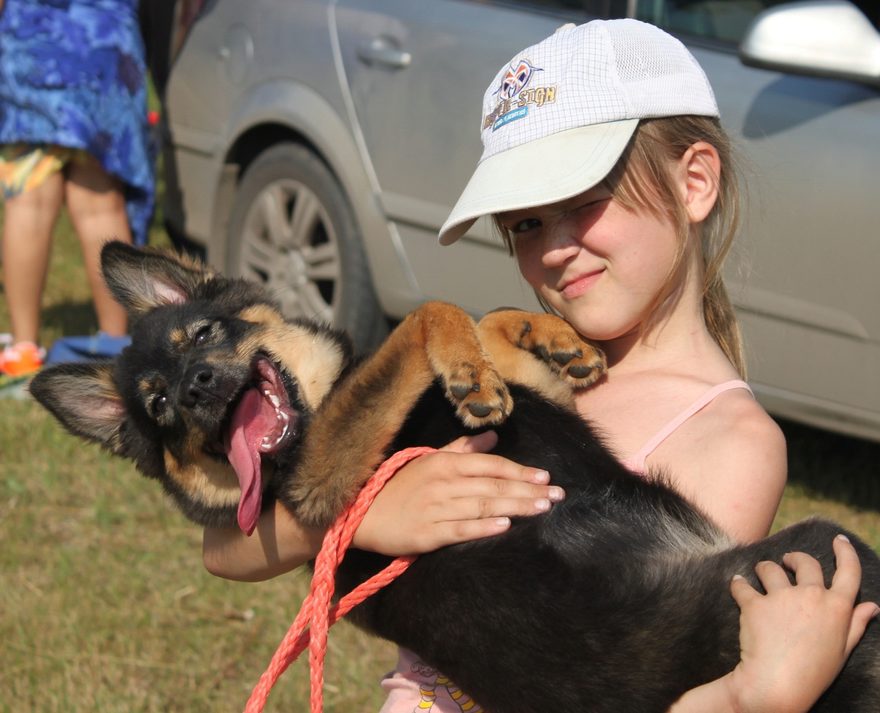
105, 605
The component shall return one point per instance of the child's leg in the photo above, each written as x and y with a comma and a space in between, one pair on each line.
97, 209
29, 219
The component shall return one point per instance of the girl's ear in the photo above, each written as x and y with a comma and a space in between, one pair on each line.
700, 168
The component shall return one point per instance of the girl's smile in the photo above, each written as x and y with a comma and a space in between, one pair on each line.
573, 287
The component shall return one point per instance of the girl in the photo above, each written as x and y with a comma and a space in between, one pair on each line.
607, 170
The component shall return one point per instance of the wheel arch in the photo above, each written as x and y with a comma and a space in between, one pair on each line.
283, 111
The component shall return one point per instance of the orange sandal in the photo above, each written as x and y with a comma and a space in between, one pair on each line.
21, 359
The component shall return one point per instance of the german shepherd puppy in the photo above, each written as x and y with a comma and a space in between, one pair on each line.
615, 600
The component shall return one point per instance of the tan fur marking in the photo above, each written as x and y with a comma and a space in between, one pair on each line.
314, 359
178, 337
205, 480
145, 386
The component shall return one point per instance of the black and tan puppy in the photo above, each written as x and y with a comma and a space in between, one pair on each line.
615, 600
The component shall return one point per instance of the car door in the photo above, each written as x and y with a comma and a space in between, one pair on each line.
804, 273
416, 72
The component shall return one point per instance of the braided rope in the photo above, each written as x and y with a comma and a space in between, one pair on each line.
311, 625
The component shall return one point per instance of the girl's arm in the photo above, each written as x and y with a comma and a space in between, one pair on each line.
278, 544
794, 640
438, 499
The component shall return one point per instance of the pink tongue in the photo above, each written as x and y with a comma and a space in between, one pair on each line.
252, 419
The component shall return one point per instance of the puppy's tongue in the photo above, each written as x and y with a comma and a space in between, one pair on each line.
253, 418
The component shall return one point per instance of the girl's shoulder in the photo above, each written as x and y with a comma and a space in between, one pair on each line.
730, 459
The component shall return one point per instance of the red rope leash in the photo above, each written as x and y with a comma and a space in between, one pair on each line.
315, 615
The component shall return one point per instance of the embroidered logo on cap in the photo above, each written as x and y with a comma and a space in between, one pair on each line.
515, 96
515, 80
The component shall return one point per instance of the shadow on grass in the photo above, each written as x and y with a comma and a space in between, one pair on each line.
70, 318
834, 466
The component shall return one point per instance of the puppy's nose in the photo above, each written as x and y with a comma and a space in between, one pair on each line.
197, 384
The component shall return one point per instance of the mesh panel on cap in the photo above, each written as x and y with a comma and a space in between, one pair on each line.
657, 72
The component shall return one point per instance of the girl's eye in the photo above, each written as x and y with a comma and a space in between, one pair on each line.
524, 226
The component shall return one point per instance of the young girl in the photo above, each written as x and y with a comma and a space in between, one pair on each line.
606, 168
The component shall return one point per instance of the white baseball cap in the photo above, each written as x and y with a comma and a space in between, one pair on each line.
559, 115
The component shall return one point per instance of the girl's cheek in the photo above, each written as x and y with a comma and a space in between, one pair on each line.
528, 260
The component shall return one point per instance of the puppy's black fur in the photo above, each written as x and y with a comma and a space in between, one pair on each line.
615, 600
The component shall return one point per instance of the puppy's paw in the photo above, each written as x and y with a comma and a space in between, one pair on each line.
319, 505
578, 362
479, 394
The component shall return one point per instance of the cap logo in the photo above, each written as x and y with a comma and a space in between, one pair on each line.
516, 79
514, 96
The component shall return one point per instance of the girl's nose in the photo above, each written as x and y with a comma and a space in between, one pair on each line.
561, 242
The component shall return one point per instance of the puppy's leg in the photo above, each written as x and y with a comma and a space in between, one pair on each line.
541, 351
458, 359
359, 419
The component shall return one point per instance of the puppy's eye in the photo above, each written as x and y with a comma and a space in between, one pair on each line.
203, 335
156, 405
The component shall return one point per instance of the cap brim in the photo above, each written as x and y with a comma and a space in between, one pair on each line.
539, 172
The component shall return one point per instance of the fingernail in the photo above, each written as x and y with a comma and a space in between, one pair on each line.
556, 494
738, 576
541, 476
843, 537
502, 522
876, 612
542, 504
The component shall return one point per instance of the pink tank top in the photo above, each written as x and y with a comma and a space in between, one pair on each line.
636, 461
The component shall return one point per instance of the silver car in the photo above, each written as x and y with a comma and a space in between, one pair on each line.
317, 146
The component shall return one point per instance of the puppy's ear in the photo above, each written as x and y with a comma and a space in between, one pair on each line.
142, 279
83, 397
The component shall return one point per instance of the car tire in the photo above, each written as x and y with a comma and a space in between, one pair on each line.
291, 228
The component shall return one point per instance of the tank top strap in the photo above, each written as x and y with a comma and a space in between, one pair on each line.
636, 461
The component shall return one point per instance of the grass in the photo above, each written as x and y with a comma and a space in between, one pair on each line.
105, 605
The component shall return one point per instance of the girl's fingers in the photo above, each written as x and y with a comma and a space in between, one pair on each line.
480, 508
862, 615
450, 533
808, 571
848, 577
772, 576
487, 466
742, 591
491, 488
806, 568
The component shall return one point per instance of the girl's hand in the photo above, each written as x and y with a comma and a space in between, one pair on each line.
795, 639
458, 493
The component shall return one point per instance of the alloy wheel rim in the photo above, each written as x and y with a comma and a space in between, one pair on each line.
290, 245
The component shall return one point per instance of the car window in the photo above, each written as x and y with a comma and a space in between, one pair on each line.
717, 20
721, 20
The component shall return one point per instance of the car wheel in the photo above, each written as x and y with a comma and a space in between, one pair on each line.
292, 229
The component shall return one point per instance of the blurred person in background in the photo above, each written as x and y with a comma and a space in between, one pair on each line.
73, 131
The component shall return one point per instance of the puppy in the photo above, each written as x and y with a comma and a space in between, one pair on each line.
616, 599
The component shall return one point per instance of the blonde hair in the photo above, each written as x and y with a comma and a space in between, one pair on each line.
643, 179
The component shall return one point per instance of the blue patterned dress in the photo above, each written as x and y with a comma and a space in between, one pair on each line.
72, 74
